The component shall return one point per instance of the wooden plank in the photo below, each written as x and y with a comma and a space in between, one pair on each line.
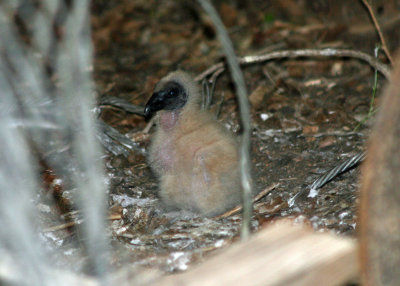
281, 254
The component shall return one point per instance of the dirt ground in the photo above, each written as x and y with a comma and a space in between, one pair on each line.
306, 113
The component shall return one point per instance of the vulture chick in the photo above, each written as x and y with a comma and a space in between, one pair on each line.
193, 155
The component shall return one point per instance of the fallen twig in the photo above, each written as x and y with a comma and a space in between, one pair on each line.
328, 52
238, 208
73, 223
378, 29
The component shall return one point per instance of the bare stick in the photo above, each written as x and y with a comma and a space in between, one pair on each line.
378, 29
328, 52
238, 208
75, 222
238, 80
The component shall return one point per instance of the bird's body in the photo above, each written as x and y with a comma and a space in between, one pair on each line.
194, 156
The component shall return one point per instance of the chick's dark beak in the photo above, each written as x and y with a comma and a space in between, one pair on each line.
155, 103
147, 112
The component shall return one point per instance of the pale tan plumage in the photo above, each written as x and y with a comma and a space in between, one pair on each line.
194, 156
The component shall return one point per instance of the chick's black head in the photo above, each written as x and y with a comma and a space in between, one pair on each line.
169, 96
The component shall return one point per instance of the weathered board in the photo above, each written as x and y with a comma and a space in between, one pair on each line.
282, 254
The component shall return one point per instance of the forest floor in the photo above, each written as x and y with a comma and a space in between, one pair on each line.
306, 113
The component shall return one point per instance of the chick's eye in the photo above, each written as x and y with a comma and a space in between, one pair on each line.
172, 92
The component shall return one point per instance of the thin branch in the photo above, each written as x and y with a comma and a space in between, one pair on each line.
238, 208
378, 29
238, 80
328, 52
75, 222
